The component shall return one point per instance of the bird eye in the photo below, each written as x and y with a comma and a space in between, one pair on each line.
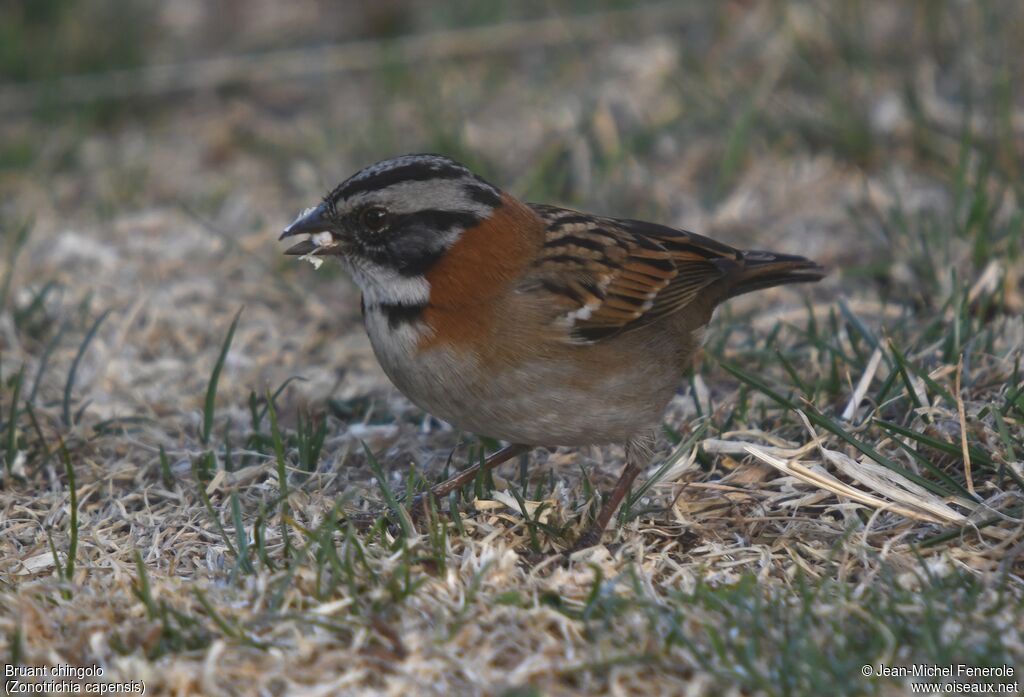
375, 218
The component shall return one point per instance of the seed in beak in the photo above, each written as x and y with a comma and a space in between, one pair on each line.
322, 239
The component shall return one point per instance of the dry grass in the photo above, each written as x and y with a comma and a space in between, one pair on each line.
839, 483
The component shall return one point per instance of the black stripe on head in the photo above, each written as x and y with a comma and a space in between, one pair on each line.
406, 168
484, 193
416, 170
416, 241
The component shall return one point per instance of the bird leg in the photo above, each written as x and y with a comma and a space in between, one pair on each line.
461, 479
469, 474
637, 450
419, 505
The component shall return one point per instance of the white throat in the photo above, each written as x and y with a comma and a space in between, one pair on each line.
384, 286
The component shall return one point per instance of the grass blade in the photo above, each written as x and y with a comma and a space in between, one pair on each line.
44, 360
165, 468
211, 388
142, 590
69, 571
819, 419
241, 539
20, 237
948, 448
675, 456
205, 498
389, 497
282, 473
69, 386
11, 446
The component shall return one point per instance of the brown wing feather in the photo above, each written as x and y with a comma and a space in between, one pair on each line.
623, 274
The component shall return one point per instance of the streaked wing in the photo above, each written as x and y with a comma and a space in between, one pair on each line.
623, 274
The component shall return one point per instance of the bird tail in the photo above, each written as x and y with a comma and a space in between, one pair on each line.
760, 270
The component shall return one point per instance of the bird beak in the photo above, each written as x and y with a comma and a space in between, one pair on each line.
310, 222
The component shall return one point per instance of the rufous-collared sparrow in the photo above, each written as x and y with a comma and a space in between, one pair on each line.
528, 323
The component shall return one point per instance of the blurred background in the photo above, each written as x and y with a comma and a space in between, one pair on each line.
664, 109
151, 152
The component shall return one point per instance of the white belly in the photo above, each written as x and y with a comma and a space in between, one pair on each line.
534, 402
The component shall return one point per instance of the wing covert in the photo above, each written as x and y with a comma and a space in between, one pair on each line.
618, 275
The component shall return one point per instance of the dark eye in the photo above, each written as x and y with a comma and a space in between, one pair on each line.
375, 218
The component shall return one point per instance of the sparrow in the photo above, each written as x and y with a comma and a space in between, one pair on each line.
532, 324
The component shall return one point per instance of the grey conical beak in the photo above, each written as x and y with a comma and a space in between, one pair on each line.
311, 220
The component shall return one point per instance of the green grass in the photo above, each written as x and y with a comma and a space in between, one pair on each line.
731, 577
67, 573
211, 390
69, 386
809, 637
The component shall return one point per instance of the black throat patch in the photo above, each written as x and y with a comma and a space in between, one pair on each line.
399, 315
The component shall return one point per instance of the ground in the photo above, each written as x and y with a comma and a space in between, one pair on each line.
189, 421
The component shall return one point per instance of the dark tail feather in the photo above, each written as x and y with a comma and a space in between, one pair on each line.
766, 269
